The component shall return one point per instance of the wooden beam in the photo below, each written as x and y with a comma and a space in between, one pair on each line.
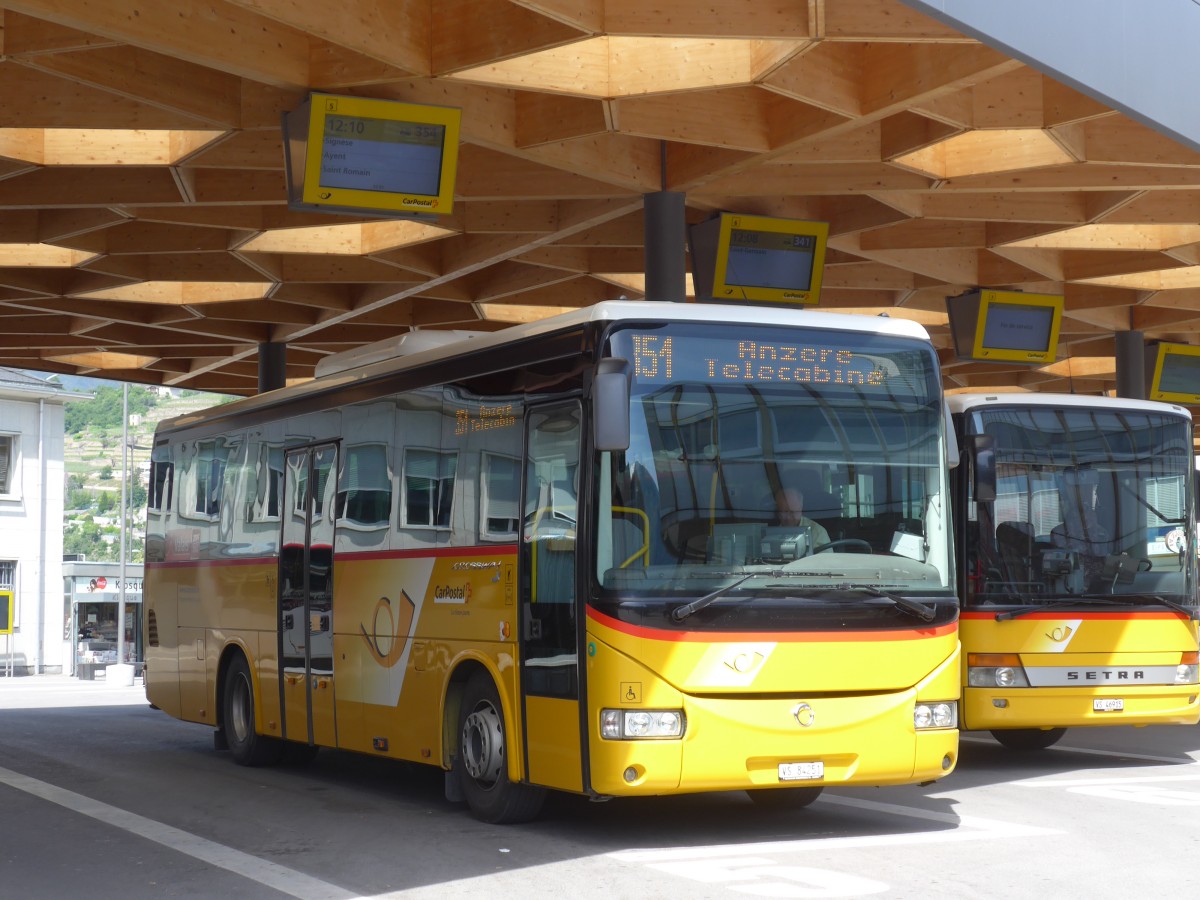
883, 20
733, 117
173, 85
25, 92
81, 186
546, 118
467, 33
397, 32
25, 36
217, 34
675, 18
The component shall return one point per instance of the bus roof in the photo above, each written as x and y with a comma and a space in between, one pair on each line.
375, 367
966, 402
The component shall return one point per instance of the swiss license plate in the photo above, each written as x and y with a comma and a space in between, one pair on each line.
801, 771
1108, 704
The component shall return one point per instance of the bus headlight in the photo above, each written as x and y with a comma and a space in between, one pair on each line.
939, 714
640, 724
995, 670
1188, 672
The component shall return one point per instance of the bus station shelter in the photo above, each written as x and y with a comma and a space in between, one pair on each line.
146, 233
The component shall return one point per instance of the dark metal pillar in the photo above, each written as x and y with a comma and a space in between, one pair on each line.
666, 246
1131, 365
272, 366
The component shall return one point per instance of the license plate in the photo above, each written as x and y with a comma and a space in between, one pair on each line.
1108, 704
801, 771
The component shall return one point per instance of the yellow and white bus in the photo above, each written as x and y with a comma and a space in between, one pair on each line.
1077, 564
549, 558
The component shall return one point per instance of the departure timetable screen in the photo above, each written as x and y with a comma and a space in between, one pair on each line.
368, 154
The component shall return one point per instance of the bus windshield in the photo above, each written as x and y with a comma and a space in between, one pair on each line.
1090, 503
810, 460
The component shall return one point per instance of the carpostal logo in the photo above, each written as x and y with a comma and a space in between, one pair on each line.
450, 593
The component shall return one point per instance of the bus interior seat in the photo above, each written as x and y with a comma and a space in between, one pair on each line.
1015, 543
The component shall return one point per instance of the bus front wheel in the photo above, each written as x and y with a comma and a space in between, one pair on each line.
1028, 738
482, 761
246, 746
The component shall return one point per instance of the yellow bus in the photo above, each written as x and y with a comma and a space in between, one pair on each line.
1077, 564
550, 558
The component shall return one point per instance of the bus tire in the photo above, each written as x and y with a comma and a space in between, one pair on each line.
785, 798
1028, 738
246, 746
482, 760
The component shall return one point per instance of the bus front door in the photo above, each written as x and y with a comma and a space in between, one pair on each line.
549, 605
306, 596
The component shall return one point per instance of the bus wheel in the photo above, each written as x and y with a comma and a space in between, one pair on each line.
1028, 738
482, 761
246, 746
785, 798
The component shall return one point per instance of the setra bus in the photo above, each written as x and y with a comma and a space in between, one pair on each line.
550, 558
1077, 564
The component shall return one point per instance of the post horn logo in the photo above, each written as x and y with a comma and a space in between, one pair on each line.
803, 714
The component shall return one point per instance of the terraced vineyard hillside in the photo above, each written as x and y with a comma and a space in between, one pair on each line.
93, 459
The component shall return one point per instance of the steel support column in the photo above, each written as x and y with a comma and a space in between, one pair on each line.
666, 246
1131, 365
272, 366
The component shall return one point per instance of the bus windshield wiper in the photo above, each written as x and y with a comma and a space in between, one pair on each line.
1146, 599
1073, 600
922, 611
679, 613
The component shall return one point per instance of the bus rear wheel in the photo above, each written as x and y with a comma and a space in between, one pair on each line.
785, 798
246, 746
1028, 738
482, 761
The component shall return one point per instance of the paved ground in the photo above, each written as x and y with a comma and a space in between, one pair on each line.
47, 691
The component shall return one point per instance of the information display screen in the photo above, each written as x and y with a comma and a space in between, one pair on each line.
1176, 374
770, 259
367, 154
1011, 326
743, 258
1005, 326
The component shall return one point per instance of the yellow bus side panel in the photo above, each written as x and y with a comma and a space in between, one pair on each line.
554, 751
737, 742
1061, 644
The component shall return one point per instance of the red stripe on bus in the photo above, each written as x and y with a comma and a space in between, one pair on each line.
661, 634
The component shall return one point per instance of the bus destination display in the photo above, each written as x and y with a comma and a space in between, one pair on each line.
659, 359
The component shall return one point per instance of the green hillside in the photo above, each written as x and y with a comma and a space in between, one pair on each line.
93, 459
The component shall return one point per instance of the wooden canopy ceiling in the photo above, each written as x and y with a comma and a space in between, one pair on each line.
145, 235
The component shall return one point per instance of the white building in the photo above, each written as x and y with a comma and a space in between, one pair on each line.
31, 523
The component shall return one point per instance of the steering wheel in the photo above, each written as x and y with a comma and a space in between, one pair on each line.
856, 545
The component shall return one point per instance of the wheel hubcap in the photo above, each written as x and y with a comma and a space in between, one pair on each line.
483, 744
239, 709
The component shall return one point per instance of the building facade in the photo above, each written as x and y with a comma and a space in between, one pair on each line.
32, 486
